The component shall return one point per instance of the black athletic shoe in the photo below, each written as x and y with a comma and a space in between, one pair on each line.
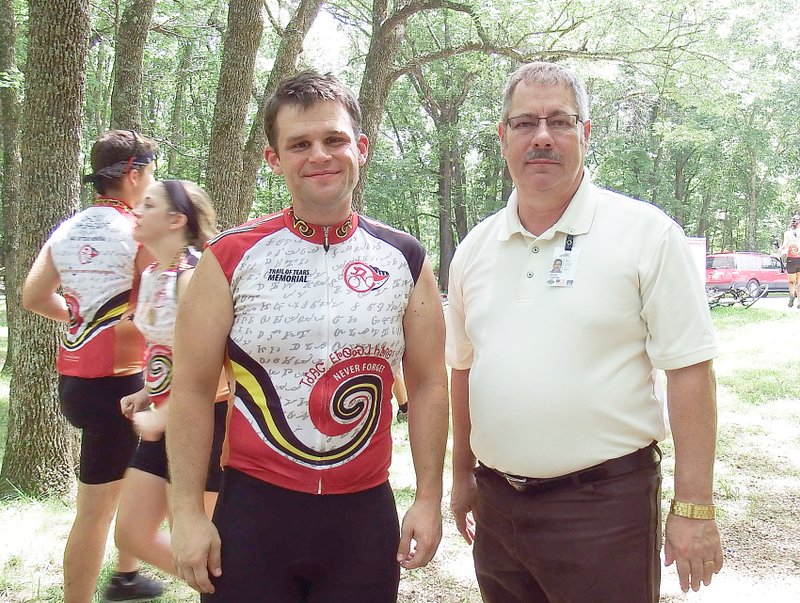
139, 588
791, 302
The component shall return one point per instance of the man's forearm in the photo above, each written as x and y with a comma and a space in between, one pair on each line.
691, 394
190, 429
427, 432
463, 457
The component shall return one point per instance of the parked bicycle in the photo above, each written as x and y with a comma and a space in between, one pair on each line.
725, 298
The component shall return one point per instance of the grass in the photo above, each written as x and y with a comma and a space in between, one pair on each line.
734, 317
761, 385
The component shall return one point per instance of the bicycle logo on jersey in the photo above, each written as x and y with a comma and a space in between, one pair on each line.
86, 254
361, 277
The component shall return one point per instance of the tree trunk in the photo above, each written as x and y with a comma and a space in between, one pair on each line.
126, 96
459, 194
446, 244
10, 110
753, 192
681, 159
176, 127
702, 222
226, 150
38, 456
376, 83
97, 94
285, 65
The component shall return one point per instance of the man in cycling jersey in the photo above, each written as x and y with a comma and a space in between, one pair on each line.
312, 309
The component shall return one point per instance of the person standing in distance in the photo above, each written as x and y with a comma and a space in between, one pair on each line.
95, 262
552, 383
312, 308
791, 250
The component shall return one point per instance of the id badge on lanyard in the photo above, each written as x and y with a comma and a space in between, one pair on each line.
564, 266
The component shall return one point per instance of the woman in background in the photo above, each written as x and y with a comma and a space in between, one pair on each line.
174, 221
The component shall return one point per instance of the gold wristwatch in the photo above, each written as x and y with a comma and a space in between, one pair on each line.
692, 510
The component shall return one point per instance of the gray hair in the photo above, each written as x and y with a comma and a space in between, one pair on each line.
547, 74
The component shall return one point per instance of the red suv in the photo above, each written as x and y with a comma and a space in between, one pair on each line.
745, 269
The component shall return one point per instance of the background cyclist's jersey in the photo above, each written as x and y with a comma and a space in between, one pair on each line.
791, 243
94, 253
317, 330
156, 309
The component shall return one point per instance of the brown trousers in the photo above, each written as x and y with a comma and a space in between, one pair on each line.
577, 543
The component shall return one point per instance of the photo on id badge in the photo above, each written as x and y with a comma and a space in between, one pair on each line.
563, 267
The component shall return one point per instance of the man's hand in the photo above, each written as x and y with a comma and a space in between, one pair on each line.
149, 425
196, 551
462, 503
420, 534
133, 403
694, 545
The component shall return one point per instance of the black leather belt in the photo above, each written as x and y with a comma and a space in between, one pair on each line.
641, 459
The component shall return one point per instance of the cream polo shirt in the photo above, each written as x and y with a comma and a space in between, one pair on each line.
561, 378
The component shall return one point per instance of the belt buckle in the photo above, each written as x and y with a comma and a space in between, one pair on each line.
518, 483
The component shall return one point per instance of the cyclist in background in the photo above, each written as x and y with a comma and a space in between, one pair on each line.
791, 250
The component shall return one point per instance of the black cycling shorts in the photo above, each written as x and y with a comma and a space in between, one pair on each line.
151, 457
107, 437
793, 265
284, 546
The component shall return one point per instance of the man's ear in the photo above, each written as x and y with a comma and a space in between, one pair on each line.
273, 160
501, 134
587, 129
363, 148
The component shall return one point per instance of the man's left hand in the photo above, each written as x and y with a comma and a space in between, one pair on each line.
694, 546
420, 534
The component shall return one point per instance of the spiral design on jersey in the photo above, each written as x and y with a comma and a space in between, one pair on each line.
351, 404
159, 373
334, 425
83, 331
303, 227
345, 228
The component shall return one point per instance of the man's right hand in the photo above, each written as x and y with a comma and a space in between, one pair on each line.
196, 551
462, 503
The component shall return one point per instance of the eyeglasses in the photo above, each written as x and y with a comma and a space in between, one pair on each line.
527, 124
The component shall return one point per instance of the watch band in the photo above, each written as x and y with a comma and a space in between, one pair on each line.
692, 510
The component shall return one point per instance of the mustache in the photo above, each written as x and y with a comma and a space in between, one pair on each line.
544, 154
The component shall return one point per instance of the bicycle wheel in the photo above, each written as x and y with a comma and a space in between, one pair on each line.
713, 297
755, 295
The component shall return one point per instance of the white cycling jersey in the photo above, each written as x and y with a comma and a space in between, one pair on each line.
317, 330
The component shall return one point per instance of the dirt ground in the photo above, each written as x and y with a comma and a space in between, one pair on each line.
757, 489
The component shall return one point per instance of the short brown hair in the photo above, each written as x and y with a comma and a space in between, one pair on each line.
117, 152
304, 90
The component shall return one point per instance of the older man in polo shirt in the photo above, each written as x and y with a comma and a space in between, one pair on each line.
553, 386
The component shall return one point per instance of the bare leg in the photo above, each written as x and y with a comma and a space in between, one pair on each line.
86, 543
400, 394
142, 510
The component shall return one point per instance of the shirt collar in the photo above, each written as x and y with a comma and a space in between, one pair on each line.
576, 219
317, 234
